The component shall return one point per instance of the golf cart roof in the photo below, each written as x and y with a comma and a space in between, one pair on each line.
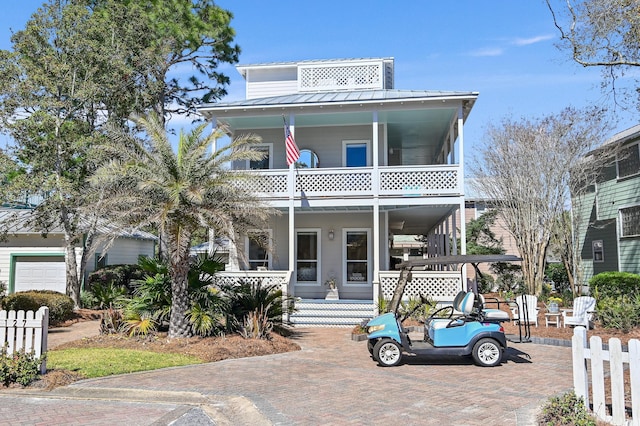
473, 259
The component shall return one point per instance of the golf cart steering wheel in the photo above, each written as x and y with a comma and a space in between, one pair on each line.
435, 314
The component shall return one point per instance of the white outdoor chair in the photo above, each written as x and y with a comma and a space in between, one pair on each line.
530, 303
582, 312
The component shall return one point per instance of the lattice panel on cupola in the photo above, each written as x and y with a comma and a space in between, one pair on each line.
337, 182
419, 181
426, 286
363, 76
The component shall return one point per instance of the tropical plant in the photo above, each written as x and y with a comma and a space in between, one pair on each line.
146, 183
103, 296
150, 307
255, 309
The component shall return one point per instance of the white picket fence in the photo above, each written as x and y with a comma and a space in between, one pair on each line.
25, 331
616, 360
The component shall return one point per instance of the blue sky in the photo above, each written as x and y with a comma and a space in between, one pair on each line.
503, 49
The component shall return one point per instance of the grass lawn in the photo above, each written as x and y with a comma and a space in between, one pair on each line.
99, 362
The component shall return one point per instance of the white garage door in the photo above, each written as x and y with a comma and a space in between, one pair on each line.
40, 273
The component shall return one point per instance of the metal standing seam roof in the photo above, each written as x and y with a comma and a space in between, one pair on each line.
19, 225
340, 97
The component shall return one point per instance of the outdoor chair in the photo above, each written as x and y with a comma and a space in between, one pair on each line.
526, 309
582, 312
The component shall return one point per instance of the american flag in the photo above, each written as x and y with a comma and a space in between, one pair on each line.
293, 153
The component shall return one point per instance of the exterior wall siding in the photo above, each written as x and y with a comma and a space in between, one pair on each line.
325, 142
124, 251
599, 219
268, 82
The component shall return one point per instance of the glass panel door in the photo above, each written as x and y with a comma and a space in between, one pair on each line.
258, 250
357, 264
307, 257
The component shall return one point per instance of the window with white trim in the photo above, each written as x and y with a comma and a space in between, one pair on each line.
258, 251
266, 162
356, 153
628, 163
598, 251
307, 256
630, 221
356, 256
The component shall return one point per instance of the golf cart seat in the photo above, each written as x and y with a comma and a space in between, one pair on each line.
492, 315
465, 306
457, 307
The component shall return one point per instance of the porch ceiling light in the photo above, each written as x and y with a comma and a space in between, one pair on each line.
331, 234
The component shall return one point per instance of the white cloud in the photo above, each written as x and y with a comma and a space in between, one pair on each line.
531, 40
488, 51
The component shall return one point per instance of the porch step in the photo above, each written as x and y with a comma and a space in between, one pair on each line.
331, 313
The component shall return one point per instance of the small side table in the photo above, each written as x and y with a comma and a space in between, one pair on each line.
554, 318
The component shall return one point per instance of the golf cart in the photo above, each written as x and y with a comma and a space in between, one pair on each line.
464, 328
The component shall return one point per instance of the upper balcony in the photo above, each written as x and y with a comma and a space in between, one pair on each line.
397, 182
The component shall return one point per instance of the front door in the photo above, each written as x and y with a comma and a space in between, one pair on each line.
357, 264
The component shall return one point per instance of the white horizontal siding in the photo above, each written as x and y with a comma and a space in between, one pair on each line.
124, 251
271, 88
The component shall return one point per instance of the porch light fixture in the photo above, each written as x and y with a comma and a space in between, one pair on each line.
331, 234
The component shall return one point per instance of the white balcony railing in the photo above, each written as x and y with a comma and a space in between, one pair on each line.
401, 181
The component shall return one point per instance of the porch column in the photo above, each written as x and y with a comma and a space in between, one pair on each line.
291, 182
463, 219
463, 226
375, 279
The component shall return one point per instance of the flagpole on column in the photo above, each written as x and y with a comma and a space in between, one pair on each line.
292, 155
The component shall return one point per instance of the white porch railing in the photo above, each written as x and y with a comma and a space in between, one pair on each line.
441, 286
25, 331
616, 359
398, 181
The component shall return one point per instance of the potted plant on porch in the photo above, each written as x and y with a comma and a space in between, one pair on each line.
332, 285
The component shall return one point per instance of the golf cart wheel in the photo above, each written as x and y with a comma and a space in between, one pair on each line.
370, 345
387, 352
487, 353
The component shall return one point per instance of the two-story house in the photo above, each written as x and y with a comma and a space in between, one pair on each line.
609, 214
375, 163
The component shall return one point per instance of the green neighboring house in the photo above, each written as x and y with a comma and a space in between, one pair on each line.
608, 215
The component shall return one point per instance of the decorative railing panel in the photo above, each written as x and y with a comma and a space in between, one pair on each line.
271, 183
253, 277
419, 181
340, 77
393, 181
334, 182
438, 285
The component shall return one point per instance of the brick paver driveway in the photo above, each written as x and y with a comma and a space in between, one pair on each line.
332, 381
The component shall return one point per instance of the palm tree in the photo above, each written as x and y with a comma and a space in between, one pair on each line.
146, 184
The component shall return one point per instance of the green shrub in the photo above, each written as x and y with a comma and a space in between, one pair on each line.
20, 367
615, 284
60, 305
116, 275
622, 313
3, 292
557, 273
566, 409
618, 299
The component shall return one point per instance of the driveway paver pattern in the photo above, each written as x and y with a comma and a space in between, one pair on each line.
331, 381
